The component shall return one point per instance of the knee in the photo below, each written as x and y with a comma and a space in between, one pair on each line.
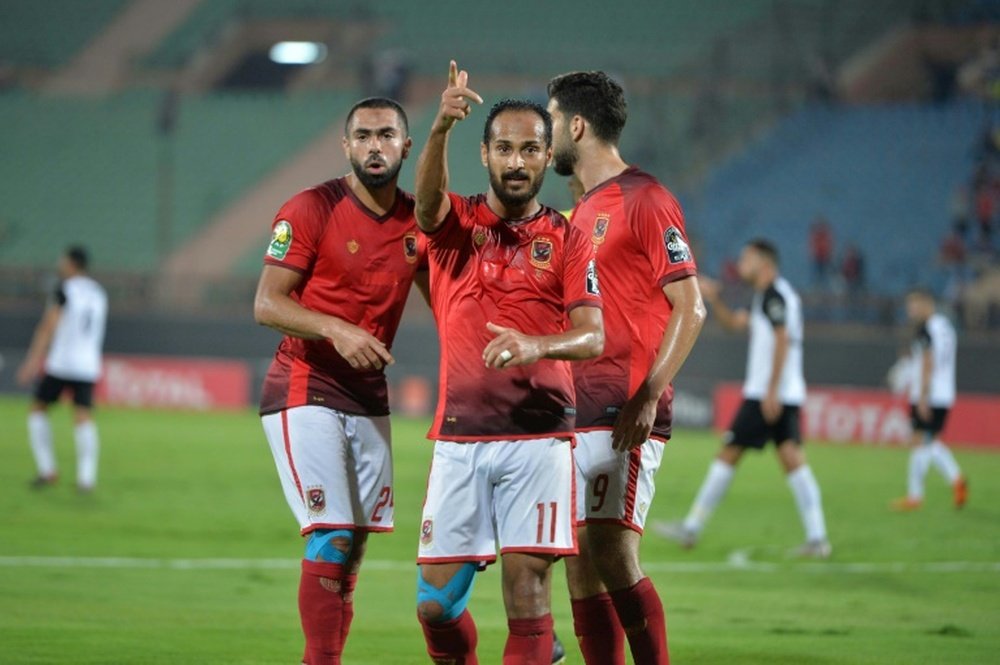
440, 604
527, 592
330, 545
618, 565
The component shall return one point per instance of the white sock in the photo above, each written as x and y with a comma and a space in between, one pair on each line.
809, 501
87, 449
714, 487
944, 461
920, 459
40, 436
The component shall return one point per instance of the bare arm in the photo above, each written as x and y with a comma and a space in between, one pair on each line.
730, 319
584, 339
275, 308
431, 188
635, 421
927, 366
771, 406
40, 341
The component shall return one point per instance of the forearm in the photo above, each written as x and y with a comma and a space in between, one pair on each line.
431, 187
679, 337
778, 364
925, 376
578, 343
283, 314
725, 314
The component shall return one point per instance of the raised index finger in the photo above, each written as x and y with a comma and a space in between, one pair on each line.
452, 74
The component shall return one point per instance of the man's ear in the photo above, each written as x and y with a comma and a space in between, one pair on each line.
484, 150
347, 148
407, 145
577, 126
548, 156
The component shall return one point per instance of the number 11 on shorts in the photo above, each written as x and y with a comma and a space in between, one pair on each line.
553, 507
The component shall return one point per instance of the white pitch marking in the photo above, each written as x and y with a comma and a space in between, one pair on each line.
738, 561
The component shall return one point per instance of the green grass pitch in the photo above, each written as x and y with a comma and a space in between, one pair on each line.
178, 489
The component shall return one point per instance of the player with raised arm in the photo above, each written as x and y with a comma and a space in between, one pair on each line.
66, 349
336, 275
932, 394
773, 392
653, 314
515, 296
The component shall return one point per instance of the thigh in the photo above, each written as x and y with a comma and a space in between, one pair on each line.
788, 429
49, 389
616, 487
371, 458
748, 429
457, 524
312, 455
533, 496
83, 393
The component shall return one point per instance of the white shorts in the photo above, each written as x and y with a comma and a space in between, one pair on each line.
515, 494
335, 468
615, 487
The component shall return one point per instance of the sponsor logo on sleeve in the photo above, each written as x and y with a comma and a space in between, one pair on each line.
410, 247
678, 250
600, 228
541, 252
593, 287
776, 310
316, 500
281, 240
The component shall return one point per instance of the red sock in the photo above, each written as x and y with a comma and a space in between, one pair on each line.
321, 609
641, 614
600, 634
347, 595
452, 642
529, 641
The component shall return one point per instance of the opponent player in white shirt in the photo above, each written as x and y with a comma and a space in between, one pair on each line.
67, 347
931, 383
773, 392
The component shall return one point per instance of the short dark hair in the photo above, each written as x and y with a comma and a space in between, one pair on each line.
378, 103
518, 105
922, 292
767, 249
594, 96
77, 254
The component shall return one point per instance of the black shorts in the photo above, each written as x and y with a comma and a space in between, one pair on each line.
51, 388
939, 417
750, 430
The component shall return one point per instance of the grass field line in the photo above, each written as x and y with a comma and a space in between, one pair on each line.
734, 564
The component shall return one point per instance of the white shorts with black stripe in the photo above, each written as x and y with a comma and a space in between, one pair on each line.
614, 487
335, 468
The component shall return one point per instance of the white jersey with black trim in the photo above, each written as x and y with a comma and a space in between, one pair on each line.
75, 354
938, 335
777, 306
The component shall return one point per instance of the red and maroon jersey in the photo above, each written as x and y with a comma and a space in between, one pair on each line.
637, 229
525, 275
356, 266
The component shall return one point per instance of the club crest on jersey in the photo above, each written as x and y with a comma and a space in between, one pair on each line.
427, 532
316, 500
678, 250
479, 237
541, 252
593, 288
410, 247
600, 228
353, 246
281, 240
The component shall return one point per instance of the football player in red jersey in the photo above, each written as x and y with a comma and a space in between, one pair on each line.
336, 276
515, 296
653, 315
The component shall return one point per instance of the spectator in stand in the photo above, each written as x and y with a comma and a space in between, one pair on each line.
821, 251
852, 269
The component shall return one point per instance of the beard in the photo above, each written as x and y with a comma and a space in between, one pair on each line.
514, 199
564, 157
375, 180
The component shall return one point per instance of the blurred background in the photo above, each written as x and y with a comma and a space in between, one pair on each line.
863, 137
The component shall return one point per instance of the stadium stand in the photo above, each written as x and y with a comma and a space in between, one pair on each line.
88, 169
48, 33
835, 162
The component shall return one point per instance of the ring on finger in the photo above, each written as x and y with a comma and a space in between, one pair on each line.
506, 355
